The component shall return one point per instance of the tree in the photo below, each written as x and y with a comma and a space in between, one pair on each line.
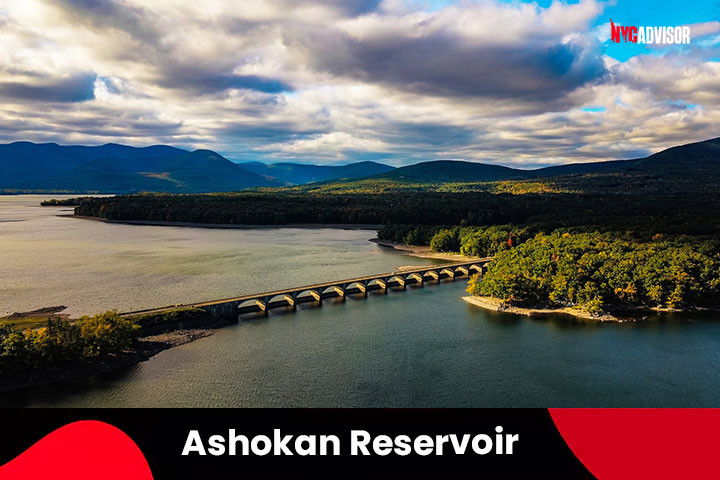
446, 241
107, 333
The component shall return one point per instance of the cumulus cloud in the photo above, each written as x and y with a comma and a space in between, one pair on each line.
73, 88
479, 50
439, 64
704, 28
335, 81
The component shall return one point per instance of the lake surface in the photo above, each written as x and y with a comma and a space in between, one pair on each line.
91, 266
422, 347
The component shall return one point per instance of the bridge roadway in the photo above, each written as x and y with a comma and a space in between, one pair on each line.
230, 308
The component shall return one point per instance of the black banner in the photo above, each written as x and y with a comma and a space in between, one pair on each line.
161, 435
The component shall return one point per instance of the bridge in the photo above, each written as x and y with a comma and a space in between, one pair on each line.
231, 308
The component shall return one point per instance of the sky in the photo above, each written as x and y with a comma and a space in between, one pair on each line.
522, 84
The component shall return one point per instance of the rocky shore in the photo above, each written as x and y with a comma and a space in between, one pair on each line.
497, 305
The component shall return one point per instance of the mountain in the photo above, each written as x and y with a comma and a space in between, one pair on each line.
695, 165
444, 171
26, 164
456, 171
683, 160
114, 168
692, 168
191, 172
698, 158
299, 174
581, 168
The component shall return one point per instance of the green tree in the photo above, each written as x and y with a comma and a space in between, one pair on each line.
107, 333
446, 241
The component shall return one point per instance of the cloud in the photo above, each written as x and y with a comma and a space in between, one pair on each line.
438, 66
209, 82
75, 88
102, 15
334, 81
672, 78
469, 52
349, 8
702, 29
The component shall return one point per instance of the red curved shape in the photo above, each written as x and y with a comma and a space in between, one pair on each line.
637, 443
80, 451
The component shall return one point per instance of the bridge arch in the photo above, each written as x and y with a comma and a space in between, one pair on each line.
462, 270
448, 271
432, 274
338, 289
475, 267
398, 279
284, 297
415, 276
358, 285
252, 305
378, 284
304, 295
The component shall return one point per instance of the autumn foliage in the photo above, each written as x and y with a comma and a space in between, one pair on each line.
63, 341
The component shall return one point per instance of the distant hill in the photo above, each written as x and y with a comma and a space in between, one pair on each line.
690, 159
677, 167
300, 174
580, 168
693, 168
26, 164
443, 171
190, 172
113, 168
457, 171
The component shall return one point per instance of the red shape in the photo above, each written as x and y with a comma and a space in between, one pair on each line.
638, 443
80, 451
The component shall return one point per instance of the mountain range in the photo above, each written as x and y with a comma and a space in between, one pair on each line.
299, 173
684, 167
113, 168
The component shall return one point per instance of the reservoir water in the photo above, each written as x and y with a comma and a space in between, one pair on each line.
422, 347
50, 259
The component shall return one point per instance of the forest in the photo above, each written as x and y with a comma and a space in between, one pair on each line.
644, 214
577, 267
600, 272
63, 341
85, 340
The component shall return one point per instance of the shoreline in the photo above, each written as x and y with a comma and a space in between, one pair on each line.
35, 318
496, 305
422, 252
229, 226
147, 347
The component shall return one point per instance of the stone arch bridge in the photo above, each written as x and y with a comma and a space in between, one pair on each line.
230, 308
